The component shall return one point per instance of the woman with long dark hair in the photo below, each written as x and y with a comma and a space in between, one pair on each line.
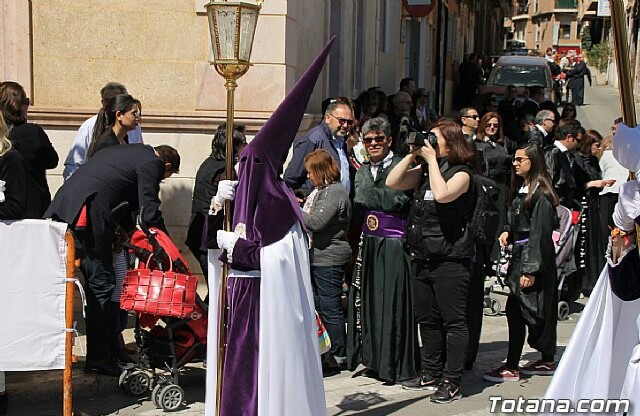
591, 243
120, 115
442, 248
533, 298
32, 143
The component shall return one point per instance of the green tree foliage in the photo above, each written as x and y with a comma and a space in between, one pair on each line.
585, 38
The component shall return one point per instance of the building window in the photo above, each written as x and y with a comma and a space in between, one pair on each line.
565, 31
538, 32
536, 6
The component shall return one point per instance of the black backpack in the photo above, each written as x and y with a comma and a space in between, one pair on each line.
483, 223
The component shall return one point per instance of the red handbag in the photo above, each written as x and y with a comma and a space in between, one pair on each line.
159, 293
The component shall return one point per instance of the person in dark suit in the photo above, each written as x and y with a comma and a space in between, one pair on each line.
116, 174
32, 143
559, 160
542, 131
579, 71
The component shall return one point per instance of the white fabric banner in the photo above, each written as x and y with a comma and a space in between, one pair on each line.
32, 295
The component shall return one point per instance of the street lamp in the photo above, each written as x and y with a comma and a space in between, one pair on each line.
232, 26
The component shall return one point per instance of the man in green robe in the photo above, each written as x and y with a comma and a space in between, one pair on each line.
381, 332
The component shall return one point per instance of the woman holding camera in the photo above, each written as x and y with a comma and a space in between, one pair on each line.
442, 248
531, 277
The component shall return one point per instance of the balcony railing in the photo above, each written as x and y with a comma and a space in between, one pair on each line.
566, 4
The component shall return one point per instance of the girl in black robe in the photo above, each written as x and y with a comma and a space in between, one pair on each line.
532, 302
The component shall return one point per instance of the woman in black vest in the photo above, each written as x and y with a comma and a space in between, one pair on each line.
441, 247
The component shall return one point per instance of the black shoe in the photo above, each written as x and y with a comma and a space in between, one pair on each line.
4, 402
106, 366
446, 393
422, 382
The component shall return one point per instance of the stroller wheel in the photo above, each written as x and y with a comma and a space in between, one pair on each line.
171, 397
137, 384
563, 311
492, 307
123, 379
155, 394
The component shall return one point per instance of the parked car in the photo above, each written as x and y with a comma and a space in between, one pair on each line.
521, 71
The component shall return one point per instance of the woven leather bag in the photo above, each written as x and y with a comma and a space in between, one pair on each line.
159, 293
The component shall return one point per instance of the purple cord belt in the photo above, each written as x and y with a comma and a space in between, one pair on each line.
382, 224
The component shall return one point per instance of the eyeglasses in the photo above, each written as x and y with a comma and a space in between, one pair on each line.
519, 160
342, 121
377, 139
475, 116
136, 113
553, 120
493, 125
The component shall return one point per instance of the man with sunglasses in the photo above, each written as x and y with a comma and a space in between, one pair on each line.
542, 131
382, 333
331, 135
470, 119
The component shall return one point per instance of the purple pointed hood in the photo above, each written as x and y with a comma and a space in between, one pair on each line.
265, 207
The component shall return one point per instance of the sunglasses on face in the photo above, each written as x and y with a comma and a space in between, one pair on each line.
519, 160
377, 139
493, 125
475, 116
342, 121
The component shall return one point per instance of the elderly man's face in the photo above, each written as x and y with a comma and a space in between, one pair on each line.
340, 120
402, 103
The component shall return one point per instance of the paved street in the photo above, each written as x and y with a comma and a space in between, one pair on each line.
39, 393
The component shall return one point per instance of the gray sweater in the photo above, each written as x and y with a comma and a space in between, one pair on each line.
328, 221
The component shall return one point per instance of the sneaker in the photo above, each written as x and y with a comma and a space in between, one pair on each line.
446, 393
539, 368
502, 374
422, 382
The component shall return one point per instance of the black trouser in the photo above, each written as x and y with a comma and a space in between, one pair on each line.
99, 284
475, 305
517, 333
440, 293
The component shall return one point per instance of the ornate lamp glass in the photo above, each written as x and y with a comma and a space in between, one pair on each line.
232, 26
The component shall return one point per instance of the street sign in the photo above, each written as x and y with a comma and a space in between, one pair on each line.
418, 8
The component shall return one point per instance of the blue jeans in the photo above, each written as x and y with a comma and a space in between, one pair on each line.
327, 294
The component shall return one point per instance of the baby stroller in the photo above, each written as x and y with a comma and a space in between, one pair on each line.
166, 344
563, 239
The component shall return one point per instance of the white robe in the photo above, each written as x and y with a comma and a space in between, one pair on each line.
602, 359
289, 370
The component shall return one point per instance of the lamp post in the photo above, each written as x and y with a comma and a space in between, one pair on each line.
232, 26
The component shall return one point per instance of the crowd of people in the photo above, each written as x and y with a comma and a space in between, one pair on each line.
386, 190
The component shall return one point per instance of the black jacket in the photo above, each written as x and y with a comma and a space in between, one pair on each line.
39, 155
207, 179
536, 136
107, 139
116, 174
560, 170
14, 173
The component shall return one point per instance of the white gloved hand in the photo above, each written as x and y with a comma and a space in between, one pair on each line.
226, 241
226, 190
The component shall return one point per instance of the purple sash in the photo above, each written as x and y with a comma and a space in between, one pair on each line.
382, 224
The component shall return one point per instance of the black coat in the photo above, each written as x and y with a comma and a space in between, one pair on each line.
109, 138
14, 173
207, 179
560, 168
39, 155
116, 174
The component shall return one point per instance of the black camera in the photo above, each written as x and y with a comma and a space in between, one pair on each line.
417, 139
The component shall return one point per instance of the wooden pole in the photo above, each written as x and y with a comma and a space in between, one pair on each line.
621, 47
228, 216
67, 386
